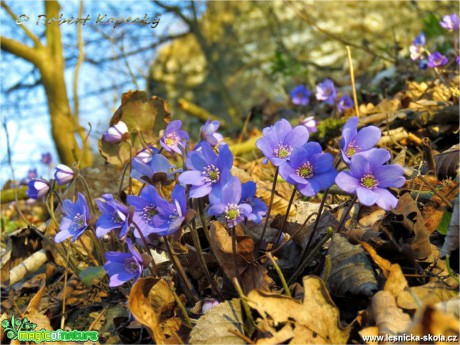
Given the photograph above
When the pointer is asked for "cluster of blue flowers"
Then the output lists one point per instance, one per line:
(325, 92)
(418, 51)
(207, 173)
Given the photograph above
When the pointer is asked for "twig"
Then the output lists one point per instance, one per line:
(80, 59)
(352, 76)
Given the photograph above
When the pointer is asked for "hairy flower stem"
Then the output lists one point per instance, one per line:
(315, 226)
(147, 249)
(345, 214)
(280, 231)
(181, 307)
(99, 247)
(200, 208)
(235, 257)
(280, 274)
(88, 194)
(123, 173)
(199, 250)
(311, 256)
(180, 270)
(259, 244)
(247, 310)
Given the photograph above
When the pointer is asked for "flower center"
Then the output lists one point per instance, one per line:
(171, 139)
(351, 149)
(211, 173)
(131, 265)
(305, 170)
(282, 151)
(118, 217)
(369, 181)
(232, 211)
(78, 222)
(148, 212)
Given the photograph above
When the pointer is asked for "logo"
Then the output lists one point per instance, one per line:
(23, 330)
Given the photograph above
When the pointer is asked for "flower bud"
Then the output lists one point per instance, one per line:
(63, 174)
(116, 133)
(37, 188)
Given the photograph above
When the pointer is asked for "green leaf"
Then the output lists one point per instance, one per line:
(443, 226)
(92, 275)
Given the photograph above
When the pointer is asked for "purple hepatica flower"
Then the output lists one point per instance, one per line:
(116, 133)
(206, 169)
(436, 59)
(146, 172)
(345, 102)
(63, 174)
(450, 22)
(310, 169)
(122, 267)
(114, 216)
(310, 123)
(209, 133)
(171, 216)
(326, 92)
(279, 140)
(173, 137)
(369, 178)
(354, 141)
(416, 49)
(226, 201)
(248, 196)
(37, 188)
(46, 158)
(145, 210)
(457, 60)
(423, 64)
(300, 95)
(145, 155)
(75, 221)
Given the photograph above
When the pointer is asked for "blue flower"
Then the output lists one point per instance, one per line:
(326, 92)
(171, 215)
(279, 140)
(114, 216)
(145, 155)
(420, 39)
(146, 172)
(173, 137)
(450, 22)
(63, 174)
(248, 196)
(46, 158)
(309, 123)
(344, 103)
(436, 59)
(226, 202)
(209, 133)
(37, 188)
(122, 267)
(116, 133)
(75, 221)
(145, 210)
(354, 141)
(369, 178)
(300, 95)
(309, 169)
(206, 169)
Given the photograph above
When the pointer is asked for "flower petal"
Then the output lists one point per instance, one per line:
(367, 138)
(390, 176)
(193, 177)
(366, 196)
(297, 137)
(347, 182)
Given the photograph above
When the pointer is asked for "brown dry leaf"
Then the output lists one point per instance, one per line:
(372, 331)
(316, 320)
(396, 282)
(162, 299)
(430, 321)
(447, 162)
(415, 297)
(253, 275)
(388, 317)
(279, 337)
(351, 270)
(414, 222)
(451, 306)
(142, 310)
(214, 326)
(384, 264)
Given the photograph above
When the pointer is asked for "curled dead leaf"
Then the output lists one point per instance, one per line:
(417, 296)
(388, 317)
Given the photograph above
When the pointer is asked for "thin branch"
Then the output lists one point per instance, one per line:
(29, 33)
(176, 10)
(81, 58)
(19, 49)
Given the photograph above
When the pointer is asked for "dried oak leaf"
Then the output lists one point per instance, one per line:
(252, 274)
(351, 271)
(316, 320)
(435, 322)
(388, 317)
(214, 327)
(415, 297)
(144, 117)
(413, 221)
